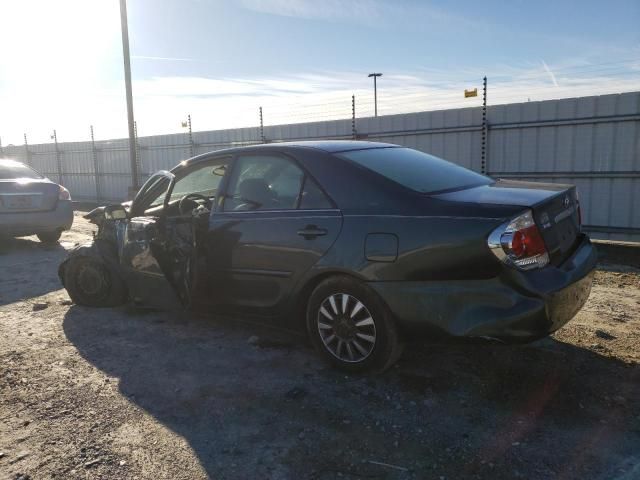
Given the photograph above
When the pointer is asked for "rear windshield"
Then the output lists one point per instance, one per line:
(10, 170)
(418, 171)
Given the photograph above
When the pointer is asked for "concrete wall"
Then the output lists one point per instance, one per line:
(593, 142)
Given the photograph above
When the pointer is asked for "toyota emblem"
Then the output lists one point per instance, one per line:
(566, 201)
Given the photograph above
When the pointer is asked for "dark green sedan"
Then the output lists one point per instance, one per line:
(359, 243)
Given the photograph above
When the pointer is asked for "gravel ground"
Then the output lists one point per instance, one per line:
(126, 393)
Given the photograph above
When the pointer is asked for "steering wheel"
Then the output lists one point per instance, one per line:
(191, 198)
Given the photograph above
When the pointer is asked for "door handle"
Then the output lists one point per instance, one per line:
(312, 231)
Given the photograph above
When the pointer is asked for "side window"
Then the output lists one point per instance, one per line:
(263, 182)
(203, 179)
(153, 190)
(313, 197)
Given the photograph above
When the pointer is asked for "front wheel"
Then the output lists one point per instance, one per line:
(351, 327)
(90, 282)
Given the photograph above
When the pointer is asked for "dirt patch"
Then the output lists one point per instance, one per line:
(128, 393)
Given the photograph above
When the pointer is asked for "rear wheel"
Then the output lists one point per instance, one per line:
(91, 283)
(49, 238)
(351, 327)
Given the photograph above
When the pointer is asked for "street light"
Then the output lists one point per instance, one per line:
(375, 91)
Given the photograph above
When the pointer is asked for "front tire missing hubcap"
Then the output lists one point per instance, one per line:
(92, 283)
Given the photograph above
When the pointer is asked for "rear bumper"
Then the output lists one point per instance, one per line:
(29, 223)
(514, 307)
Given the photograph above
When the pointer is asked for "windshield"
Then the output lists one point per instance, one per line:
(416, 170)
(11, 170)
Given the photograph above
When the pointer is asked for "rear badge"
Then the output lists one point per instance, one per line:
(566, 201)
(544, 220)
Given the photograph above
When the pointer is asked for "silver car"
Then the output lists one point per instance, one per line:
(32, 204)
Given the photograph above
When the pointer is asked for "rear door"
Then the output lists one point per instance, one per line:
(274, 224)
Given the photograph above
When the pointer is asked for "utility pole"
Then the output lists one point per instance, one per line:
(375, 91)
(192, 150)
(354, 132)
(58, 159)
(127, 80)
(96, 166)
(261, 125)
(262, 139)
(187, 124)
(485, 128)
(26, 151)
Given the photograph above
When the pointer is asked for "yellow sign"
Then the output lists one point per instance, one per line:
(471, 93)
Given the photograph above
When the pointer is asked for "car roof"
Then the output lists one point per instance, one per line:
(329, 146)
(333, 146)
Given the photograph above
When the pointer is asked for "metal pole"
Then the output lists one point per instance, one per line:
(58, 160)
(375, 97)
(26, 151)
(127, 80)
(96, 166)
(354, 133)
(191, 146)
(1, 149)
(485, 127)
(375, 91)
(138, 156)
(261, 127)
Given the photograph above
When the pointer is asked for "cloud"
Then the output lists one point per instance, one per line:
(336, 10)
(170, 59)
(551, 75)
(374, 13)
(161, 103)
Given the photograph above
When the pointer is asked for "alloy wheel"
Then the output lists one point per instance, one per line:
(346, 328)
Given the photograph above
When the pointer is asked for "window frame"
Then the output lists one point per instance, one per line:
(225, 193)
(204, 163)
(405, 188)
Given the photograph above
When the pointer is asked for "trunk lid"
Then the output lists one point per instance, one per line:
(554, 206)
(28, 195)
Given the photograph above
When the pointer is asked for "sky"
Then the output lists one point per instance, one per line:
(61, 61)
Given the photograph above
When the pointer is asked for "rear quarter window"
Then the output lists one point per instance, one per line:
(11, 170)
(416, 170)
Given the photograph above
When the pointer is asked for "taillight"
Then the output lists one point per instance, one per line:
(64, 194)
(519, 243)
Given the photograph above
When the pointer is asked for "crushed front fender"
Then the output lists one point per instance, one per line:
(101, 250)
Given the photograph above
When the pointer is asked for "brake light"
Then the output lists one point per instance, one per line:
(64, 194)
(519, 243)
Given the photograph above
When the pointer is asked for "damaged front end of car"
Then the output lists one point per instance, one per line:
(91, 272)
(142, 254)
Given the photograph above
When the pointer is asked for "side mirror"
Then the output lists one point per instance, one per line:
(220, 170)
(115, 212)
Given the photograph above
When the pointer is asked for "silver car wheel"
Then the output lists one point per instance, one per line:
(346, 328)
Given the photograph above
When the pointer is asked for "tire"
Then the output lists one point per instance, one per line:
(367, 331)
(91, 283)
(49, 238)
